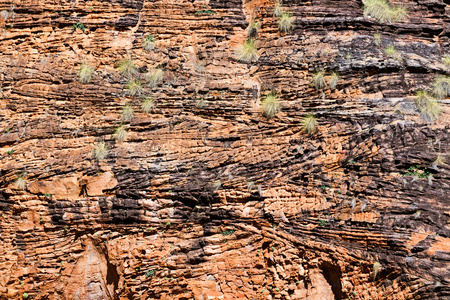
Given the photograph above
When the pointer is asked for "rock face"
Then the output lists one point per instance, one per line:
(206, 198)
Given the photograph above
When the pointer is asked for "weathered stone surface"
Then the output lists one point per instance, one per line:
(216, 201)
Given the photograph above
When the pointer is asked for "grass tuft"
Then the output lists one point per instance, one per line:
(148, 105)
(446, 60)
(277, 11)
(309, 124)
(148, 43)
(377, 39)
(390, 51)
(127, 67)
(21, 182)
(271, 105)
(383, 12)
(248, 51)
(428, 107)
(333, 80)
(133, 88)
(120, 134)
(127, 112)
(85, 73)
(286, 22)
(440, 160)
(441, 88)
(155, 76)
(376, 269)
(253, 28)
(319, 80)
(100, 151)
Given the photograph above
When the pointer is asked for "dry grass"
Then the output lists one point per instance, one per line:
(248, 51)
(120, 134)
(309, 124)
(148, 105)
(134, 88)
(428, 107)
(441, 87)
(155, 76)
(271, 105)
(334, 78)
(286, 22)
(127, 112)
(85, 73)
(100, 151)
(148, 43)
(319, 80)
(127, 67)
(383, 12)
(21, 182)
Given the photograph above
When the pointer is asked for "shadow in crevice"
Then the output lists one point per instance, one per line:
(333, 276)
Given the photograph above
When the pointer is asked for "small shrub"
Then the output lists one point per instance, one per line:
(85, 73)
(149, 273)
(21, 182)
(309, 124)
(149, 43)
(383, 12)
(155, 76)
(376, 269)
(100, 151)
(377, 39)
(271, 105)
(147, 105)
(446, 60)
(319, 80)
(133, 88)
(127, 112)
(428, 107)
(120, 134)
(25, 296)
(248, 51)
(277, 10)
(333, 80)
(127, 67)
(286, 22)
(417, 171)
(10, 151)
(228, 232)
(441, 88)
(390, 51)
(78, 25)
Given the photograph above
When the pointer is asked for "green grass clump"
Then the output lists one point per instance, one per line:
(319, 80)
(441, 87)
(377, 39)
(127, 112)
(21, 182)
(120, 134)
(248, 51)
(309, 124)
(148, 105)
(134, 88)
(383, 12)
(390, 51)
(271, 105)
(428, 107)
(333, 80)
(85, 73)
(100, 151)
(286, 22)
(155, 76)
(127, 67)
(148, 43)
(277, 11)
(446, 60)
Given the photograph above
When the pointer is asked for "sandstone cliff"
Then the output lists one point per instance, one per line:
(206, 198)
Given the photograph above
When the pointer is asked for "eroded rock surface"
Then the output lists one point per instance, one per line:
(214, 201)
